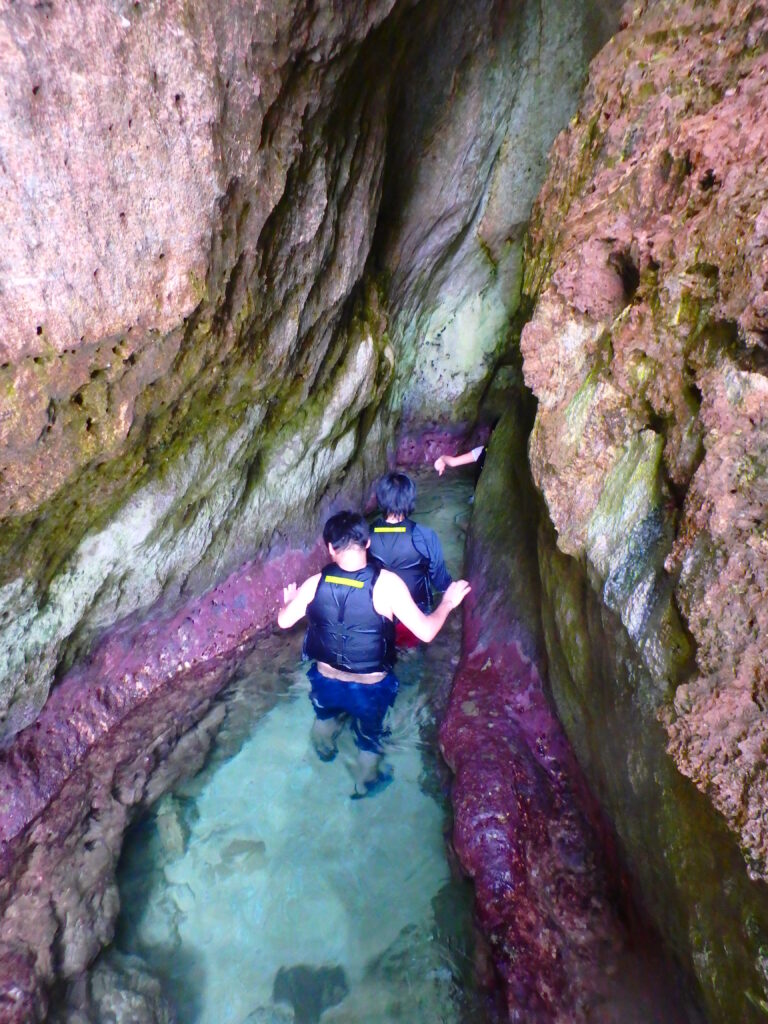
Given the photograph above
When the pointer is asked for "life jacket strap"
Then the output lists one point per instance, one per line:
(357, 584)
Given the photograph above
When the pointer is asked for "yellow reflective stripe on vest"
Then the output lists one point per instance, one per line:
(389, 529)
(346, 583)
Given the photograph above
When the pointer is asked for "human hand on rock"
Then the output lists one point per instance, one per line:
(289, 593)
(456, 593)
(440, 465)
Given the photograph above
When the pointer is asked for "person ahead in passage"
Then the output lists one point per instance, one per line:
(351, 606)
(442, 462)
(404, 547)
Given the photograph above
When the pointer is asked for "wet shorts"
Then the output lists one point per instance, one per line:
(366, 704)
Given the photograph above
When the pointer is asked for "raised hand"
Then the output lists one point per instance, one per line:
(289, 593)
(456, 593)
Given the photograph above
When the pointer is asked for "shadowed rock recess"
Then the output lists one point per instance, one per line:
(250, 251)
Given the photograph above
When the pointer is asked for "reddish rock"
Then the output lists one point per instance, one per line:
(423, 447)
(647, 263)
(115, 733)
(21, 1001)
(652, 318)
(528, 835)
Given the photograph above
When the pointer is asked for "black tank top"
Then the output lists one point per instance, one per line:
(392, 548)
(345, 630)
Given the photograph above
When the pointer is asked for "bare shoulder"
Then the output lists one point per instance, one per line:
(385, 591)
(387, 580)
(309, 586)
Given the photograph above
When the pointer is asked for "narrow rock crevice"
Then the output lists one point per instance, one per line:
(278, 249)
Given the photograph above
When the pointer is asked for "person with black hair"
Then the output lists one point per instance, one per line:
(410, 550)
(351, 607)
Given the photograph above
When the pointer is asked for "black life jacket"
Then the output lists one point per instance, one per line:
(392, 548)
(345, 630)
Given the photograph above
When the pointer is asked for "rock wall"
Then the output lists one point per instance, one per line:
(115, 735)
(204, 301)
(185, 366)
(226, 229)
(647, 353)
(489, 86)
(551, 896)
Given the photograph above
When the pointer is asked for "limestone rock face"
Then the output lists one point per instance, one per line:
(493, 83)
(184, 236)
(227, 230)
(119, 989)
(526, 829)
(647, 354)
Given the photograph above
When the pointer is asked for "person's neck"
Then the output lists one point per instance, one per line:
(392, 518)
(351, 559)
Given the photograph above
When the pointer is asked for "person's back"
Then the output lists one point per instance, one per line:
(405, 547)
(351, 608)
(392, 548)
(345, 631)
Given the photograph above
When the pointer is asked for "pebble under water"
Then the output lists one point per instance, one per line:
(258, 891)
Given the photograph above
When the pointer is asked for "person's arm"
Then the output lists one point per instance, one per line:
(427, 543)
(295, 601)
(391, 598)
(465, 459)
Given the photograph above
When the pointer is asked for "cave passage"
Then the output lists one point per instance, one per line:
(260, 877)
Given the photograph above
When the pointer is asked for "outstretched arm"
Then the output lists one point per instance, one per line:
(391, 598)
(465, 459)
(295, 601)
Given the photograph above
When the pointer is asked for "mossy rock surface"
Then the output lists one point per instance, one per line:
(645, 351)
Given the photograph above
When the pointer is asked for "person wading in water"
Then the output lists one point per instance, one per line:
(404, 547)
(351, 606)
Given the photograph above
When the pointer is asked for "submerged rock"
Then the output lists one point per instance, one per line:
(310, 990)
(120, 990)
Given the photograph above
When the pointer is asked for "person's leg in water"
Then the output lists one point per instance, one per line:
(324, 733)
(329, 715)
(371, 705)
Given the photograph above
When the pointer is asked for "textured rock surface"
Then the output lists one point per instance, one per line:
(199, 280)
(120, 990)
(525, 829)
(114, 736)
(495, 82)
(211, 354)
(202, 341)
(647, 354)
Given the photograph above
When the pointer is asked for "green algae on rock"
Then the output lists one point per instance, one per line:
(248, 195)
(646, 350)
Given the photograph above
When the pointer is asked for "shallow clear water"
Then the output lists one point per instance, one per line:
(260, 877)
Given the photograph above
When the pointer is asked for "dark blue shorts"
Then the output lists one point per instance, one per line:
(366, 704)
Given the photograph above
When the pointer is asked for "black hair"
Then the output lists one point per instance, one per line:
(396, 494)
(345, 530)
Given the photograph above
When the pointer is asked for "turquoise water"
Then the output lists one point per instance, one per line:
(258, 891)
